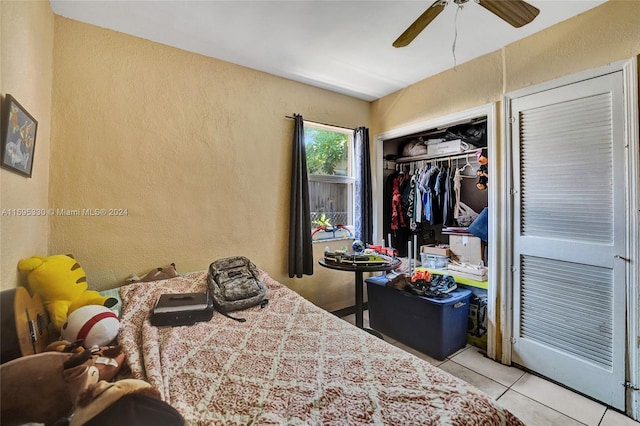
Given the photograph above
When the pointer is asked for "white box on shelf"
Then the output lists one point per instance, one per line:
(467, 248)
(445, 147)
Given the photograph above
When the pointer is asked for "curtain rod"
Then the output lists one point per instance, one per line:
(324, 124)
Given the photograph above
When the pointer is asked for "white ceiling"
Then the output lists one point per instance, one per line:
(343, 46)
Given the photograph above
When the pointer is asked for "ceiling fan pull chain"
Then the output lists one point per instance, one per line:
(455, 35)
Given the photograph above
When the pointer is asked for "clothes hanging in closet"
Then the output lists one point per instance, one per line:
(429, 195)
(448, 200)
(416, 197)
(430, 200)
(395, 222)
(457, 186)
(397, 212)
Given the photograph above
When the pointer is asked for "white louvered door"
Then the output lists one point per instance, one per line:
(569, 227)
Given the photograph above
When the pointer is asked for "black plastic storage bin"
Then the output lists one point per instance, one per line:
(436, 327)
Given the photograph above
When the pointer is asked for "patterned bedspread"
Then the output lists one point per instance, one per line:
(289, 363)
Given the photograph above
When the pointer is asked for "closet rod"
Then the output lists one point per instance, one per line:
(324, 124)
(465, 154)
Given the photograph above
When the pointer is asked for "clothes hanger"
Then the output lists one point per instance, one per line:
(467, 164)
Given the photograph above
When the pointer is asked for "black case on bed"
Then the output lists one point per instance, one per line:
(182, 309)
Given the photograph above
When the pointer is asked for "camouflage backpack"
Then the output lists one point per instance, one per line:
(234, 285)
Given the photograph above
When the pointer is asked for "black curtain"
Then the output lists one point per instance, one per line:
(364, 203)
(300, 247)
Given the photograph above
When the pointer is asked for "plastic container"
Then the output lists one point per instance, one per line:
(436, 327)
(434, 261)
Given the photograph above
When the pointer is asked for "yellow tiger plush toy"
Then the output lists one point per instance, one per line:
(62, 284)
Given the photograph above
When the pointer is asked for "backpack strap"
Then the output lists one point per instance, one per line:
(262, 305)
(233, 318)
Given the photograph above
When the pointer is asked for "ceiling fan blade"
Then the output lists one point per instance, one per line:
(515, 12)
(420, 24)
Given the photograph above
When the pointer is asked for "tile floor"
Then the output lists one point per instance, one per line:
(535, 401)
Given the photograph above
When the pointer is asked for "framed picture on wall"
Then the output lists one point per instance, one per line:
(18, 137)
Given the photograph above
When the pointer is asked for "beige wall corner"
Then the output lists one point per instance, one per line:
(26, 58)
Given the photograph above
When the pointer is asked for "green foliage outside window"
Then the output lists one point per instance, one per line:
(325, 150)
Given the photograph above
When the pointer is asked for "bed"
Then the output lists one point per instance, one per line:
(289, 363)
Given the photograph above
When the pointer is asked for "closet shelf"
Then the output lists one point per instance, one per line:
(450, 156)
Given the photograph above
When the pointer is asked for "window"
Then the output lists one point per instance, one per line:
(329, 152)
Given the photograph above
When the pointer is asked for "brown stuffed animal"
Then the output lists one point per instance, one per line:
(42, 388)
(65, 346)
(107, 359)
(157, 274)
(47, 387)
(482, 172)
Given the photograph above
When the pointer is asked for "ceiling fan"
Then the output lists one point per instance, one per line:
(515, 12)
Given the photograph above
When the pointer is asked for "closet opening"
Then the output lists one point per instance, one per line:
(433, 182)
(440, 165)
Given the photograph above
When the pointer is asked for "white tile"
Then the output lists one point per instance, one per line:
(613, 418)
(488, 386)
(473, 359)
(532, 412)
(570, 403)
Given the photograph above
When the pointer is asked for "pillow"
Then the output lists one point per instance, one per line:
(114, 293)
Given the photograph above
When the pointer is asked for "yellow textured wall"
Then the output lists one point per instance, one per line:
(196, 150)
(605, 34)
(26, 45)
(473, 83)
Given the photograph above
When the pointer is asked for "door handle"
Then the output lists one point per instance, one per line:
(617, 256)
